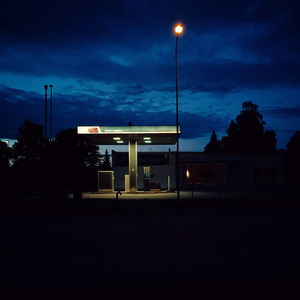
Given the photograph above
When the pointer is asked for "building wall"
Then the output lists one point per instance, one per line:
(241, 170)
(210, 169)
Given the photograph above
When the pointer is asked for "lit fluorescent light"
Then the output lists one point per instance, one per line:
(120, 142)
(147, 138)
(148, 142)
(116, 138)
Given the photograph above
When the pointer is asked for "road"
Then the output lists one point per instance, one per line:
(85, 250)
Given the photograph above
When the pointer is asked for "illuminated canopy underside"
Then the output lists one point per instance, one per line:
(120, 135)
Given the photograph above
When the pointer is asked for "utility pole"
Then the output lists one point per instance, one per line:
(46, 110)
(51, 86)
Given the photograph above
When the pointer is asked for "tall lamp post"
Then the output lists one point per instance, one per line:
(178, 30)
(51, 86)
(46, 111)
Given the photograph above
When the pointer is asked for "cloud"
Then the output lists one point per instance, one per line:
(193, 88)
(98, 20)
(283, 112)
(132, 90)
(236, 75)
(226, 46)
(74, 110)
(16, 106)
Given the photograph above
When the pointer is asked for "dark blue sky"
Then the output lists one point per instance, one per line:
(112, 62)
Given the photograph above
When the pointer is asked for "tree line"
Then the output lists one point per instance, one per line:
(246, 134)
(69, 162)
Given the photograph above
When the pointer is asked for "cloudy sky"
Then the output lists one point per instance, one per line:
(112, 62)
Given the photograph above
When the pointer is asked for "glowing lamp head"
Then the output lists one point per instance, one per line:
(178, 29)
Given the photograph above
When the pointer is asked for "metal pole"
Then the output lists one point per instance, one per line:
(177, 125)
(45, 127)
(51, 86)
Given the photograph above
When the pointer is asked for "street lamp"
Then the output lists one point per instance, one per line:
(51, 86)
(178, 29)
(46, 110)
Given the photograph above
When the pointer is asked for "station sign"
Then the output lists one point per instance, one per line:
(88, 129)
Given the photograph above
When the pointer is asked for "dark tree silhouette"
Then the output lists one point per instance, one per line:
(5, 155)
(27, 155)
(106, 165)
(293, 146)
(77, 159)
(30, 143)
(247, 133)
(269, 141)
(293, 159)
(214, 145)
(74, 149)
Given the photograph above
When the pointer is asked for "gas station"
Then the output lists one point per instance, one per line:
(196, 169)
(131, 136)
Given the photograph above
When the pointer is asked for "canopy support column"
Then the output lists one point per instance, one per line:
(133, 165)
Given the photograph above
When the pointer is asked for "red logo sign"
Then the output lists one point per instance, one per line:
(93, 130)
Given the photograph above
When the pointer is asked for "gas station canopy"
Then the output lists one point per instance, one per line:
(121, 135)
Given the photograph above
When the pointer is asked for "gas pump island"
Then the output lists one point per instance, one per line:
(131, 136)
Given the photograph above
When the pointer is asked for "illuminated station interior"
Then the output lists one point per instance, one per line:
(131, 136)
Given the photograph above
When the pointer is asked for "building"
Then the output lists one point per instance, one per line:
(135, 170)
(156, 170)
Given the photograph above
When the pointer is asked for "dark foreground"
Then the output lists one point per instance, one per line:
(250, 251)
